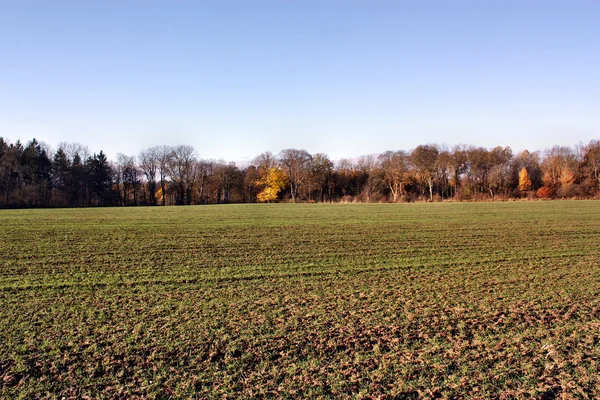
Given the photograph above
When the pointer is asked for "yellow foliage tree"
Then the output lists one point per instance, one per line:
(567, 176)
(273, 180)
(524, 180)
(548, 180)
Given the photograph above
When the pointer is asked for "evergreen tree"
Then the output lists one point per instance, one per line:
(61, 176)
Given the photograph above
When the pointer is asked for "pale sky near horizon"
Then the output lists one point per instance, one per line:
(237, 78)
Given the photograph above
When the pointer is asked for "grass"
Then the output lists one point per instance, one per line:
(450, 300)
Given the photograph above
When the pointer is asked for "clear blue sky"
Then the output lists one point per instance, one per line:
(236, 78)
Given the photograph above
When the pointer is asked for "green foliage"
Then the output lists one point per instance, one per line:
(450, 300)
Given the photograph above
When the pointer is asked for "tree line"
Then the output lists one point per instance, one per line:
(32, 175)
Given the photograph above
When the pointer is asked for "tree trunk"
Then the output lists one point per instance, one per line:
(152, 192)
(431, 190)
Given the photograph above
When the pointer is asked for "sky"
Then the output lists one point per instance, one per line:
(238, 78)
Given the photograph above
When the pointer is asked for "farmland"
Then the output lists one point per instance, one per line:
(450, 300)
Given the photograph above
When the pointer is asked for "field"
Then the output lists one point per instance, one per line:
(448, 300)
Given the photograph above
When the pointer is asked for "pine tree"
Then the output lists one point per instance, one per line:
(61, 176)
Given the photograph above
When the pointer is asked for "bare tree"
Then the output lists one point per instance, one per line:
(478, 169)
(366, 183)
(393, 166)
(296, 164)
(557, 161)
(591, 161)
(149, 161)
(203, 169)
(321, 168)
(164, 155)
(73, 149)
(499, 170)
(458, 164)
(128, 176)
(181, 168)
(250, 186)
(265, 161)
(228, 178)
(344, 173)
(423, 158)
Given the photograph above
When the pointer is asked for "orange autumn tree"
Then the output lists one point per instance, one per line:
(524, 180)
(273, 180)
(545, 192)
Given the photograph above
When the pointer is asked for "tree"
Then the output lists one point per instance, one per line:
(228, 178)
(478, 169)
(524, 180)
(296, 165)
(99, 172)
(265, 160)
(29, 177)
(321, 168)
(149, 161)
(423, 158)
(365, 177)
(128, 177)
(181, 168)
(458, 165)
(344, 177)
(273, 180)
(61, 176)
(255, 173)
(74, 149)
(393, 166)
(556, 161)
(251, 176)
(591, 162)
(164, 155)
(444, 169)
(35, 172)
(203, 170)
(499, 170)
(530, 161)
(10, 174)
(78, 192)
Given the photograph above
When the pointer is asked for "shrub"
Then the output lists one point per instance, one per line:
(545, 192)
